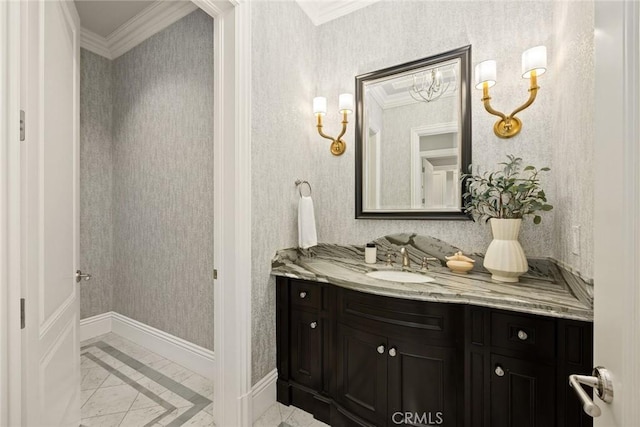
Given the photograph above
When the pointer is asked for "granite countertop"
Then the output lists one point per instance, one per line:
(546, 289)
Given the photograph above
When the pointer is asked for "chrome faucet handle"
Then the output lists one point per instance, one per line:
(425, 262)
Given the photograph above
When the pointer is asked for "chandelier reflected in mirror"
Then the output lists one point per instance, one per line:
(430, 85)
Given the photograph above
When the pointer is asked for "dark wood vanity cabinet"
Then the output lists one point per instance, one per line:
(357, 359)
(398, 356)
(518, 366)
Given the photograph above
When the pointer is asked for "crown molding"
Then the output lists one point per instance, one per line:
(150, 21)
(95, 43)
(321, 12)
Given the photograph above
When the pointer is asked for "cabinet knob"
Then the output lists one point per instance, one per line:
(499, 371)
(303, 294)
(392, 352)
(522, 335)
(313, 325)
(381, 349)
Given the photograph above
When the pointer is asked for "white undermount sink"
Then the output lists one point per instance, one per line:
(400, 276)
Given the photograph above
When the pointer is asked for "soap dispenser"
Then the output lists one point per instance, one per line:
(370, 253)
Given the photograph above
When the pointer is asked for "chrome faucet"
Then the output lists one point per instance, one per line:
(404, 253)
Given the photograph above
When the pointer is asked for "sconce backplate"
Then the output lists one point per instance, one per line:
(338, 147)
(501, 129)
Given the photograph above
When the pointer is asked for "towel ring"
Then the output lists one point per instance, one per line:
(299, 185)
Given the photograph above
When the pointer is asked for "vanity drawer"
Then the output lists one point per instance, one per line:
(395, 316)
(534, 335)
(305, 294)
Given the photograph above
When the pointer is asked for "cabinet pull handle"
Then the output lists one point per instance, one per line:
(392, 352)
(499, 371)
(313, 325)
(381, 349)
(522, 335)
(303, 294)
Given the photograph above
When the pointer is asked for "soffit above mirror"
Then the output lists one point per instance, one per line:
(321, 12)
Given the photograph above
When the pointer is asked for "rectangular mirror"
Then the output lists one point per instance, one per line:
(413, 138)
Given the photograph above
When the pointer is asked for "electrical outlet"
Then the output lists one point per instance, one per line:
(575, 240)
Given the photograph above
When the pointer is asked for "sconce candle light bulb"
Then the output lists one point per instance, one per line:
(534, 64)
(345, 105)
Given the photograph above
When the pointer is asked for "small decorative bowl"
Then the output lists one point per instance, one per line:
(459, 263)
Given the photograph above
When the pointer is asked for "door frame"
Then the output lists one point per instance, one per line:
(232, 209)
(232, 212)
(10, 216)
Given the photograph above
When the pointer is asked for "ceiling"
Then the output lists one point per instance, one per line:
(104, 17)
(112, 27)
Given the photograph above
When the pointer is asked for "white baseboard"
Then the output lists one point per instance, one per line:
(94, 326)
(263, 394)
(191, 356)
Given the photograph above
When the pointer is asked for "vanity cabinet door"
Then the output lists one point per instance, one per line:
(362, 373)
(425, 383)
(522, 393)
(306, 348)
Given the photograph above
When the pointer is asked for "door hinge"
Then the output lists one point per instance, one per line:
(215, 274)
(22, 315)
(22, 125)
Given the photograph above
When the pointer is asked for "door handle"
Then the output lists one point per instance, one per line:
(601, 382)
(80, 276)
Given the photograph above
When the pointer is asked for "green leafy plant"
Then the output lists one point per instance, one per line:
(513, 192)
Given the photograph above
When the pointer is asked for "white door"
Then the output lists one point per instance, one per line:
(427, 199)
(616, 215)
(51, 348)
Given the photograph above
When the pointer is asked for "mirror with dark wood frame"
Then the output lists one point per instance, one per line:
(413, 138)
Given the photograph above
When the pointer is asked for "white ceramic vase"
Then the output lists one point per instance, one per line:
(505, 258)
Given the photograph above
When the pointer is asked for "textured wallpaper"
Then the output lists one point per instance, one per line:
(283, 79)
(573, 133)
(293, 61)
(96, 173)
(390, 33)
(163, 180)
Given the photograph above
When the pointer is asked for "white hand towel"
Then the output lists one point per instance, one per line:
(307, 235)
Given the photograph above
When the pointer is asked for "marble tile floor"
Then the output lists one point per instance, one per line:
(126, 385)
(279, 415)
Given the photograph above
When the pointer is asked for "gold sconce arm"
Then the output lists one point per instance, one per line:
(338, 146)
(509, 125)
(533, 91)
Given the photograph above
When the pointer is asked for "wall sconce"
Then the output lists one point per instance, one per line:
(534, 64)
(345, 105)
